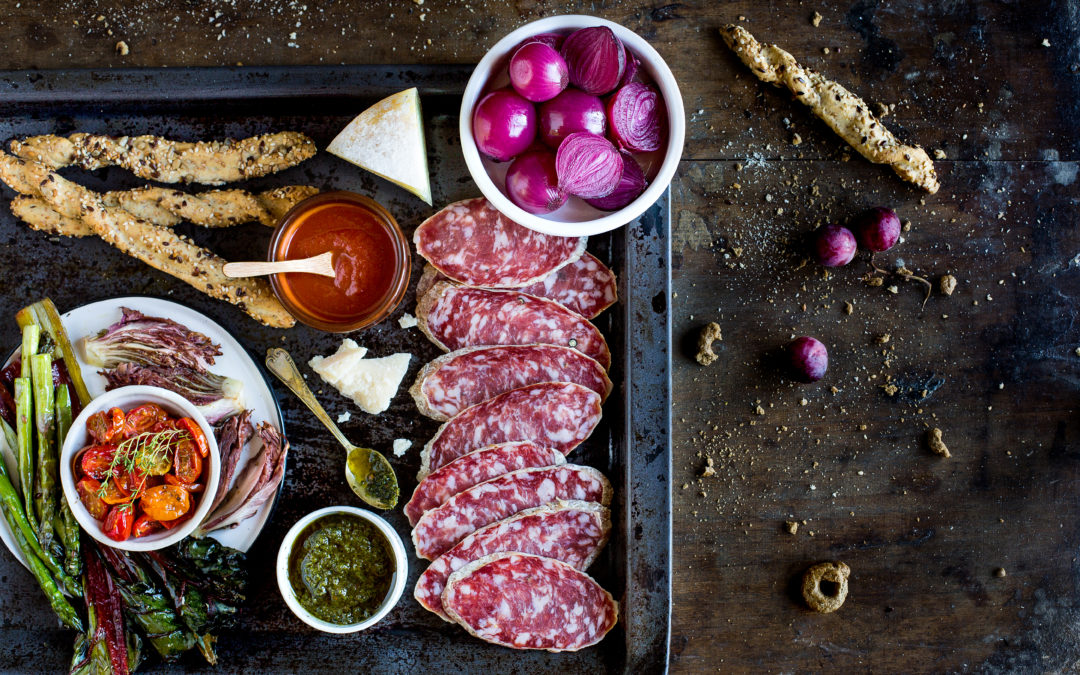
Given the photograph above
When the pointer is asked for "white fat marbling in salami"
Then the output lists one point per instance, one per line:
(529, 602)
(454, 317)
(570, 531)
(455, 381)
(477, 467)
(441, 528)
(471, 242)
(557, 415)
(585, 286)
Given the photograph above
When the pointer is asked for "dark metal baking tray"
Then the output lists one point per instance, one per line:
(632, 445)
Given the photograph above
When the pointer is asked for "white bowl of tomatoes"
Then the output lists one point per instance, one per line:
(140, 468)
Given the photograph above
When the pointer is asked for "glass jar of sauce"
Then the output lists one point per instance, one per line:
(371, 261)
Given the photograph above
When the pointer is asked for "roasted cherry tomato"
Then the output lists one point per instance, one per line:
(190, 487)
(118, 522)
(187, 463)
(165, 502)
(106, 427)
(88, 493)
(197, 435)
(164, 425)
(114, 491)
(97, 460)
(144, 525)
(143, 419)
(170, 524)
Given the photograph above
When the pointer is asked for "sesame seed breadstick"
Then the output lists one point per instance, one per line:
(159, 247)
(844, 112)
(37, 213)
(166, 161)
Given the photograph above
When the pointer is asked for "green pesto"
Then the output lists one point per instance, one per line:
(340, 569)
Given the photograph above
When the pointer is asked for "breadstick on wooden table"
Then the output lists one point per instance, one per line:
(159, 247)
(167, 161)
(844, 112)
(167, 207)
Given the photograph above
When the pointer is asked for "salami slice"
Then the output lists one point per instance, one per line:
(585, 286)
(454, 317)
(460, 379)
(477, 467)
(529, 602)
(570, 531)
(557, 415)
(471, 242)
(501, 497)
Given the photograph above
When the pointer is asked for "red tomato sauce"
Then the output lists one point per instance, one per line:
(365, 260)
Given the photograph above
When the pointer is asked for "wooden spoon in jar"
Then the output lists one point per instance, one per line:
(367, 471)
(322, 265)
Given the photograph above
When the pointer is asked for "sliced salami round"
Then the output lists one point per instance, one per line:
(585, 286)
(454, 317)
(441, 528)
(570, 531)
(472, 375)
(471, 242)
(477, 467)
(529, 602)
(557, 415)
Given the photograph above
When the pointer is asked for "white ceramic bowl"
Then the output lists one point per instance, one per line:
(127, 398)
(575, 218)
(397, 582)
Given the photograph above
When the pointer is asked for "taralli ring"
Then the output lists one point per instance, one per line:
(825, 586)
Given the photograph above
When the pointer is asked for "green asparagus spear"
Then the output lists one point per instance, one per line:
(12, 507)
(44, 314)
(70, 527)
(24, 537)
(45, 474)
(31, 339)
(24, 413)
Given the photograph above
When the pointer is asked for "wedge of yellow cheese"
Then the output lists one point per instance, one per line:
(387, 139)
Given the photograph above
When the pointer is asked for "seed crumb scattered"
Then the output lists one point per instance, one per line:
(874, 281)
(890, 389)
(796, 139)
(759, 410)
(937, 446)
(848, 308)
(709, 469)
(709, 334)
(815, 20)
(939, 154)
(884, 339)
(1000, 572)
(1045, 42)
(894, 289)
(122, 48)
(791, 526)
(947, 284)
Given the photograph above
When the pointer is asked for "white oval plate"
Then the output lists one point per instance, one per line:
(233, 362)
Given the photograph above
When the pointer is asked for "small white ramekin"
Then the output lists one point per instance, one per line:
(397, 582)
(576, 218)
(127, 398)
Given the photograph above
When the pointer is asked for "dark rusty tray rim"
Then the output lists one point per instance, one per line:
(645, 333)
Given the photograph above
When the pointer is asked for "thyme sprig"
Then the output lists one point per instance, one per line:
(143, 452)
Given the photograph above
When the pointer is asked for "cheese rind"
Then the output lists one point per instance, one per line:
(370, 383)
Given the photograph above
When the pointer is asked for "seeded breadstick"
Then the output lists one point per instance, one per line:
(165, 161)
(156, 246)
(844, 112)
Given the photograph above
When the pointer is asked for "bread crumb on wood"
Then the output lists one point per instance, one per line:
(122, 48)
(710, 333)
(825, 586)
(937, 446)
(1000, 572)
(939, 154)
(791, 526)
(709, 470)
(890, 389)
(848, 308)
(815, 20)
(883, 339)
(947, 284)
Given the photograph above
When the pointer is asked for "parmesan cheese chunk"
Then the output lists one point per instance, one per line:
(370, 383)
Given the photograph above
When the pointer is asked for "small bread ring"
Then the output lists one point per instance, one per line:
(829, 599)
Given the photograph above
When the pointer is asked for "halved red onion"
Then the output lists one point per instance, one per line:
(588, 166)
(631, 185)
(637, 117)
(632, 65)
(571, 111)
(538, 72)
(504, 124)
(533, 184)
(596, 59)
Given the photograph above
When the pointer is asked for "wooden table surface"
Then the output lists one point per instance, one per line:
(996, 366)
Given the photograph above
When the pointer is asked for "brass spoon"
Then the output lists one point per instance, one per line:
(368, 473)
(323, 265)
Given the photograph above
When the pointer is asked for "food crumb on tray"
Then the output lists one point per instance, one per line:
(709, 334)
(344, 417)
(401, 445)
(825, 586)
(407, 321)
(937, 446)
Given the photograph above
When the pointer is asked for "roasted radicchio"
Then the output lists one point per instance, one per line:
(217, 397)
(149, 341)
(232, 436)
(257, 483)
